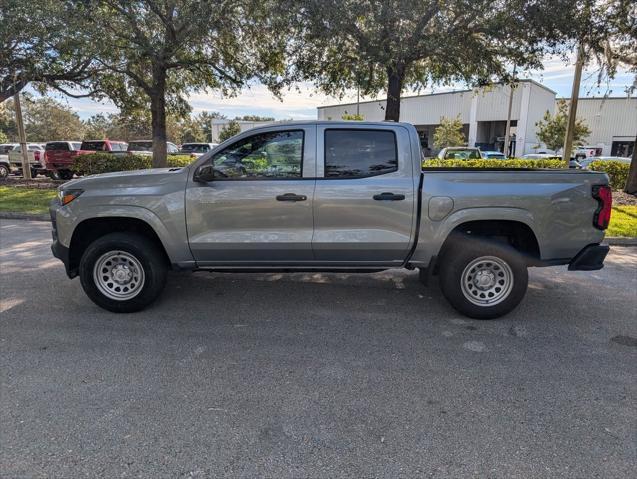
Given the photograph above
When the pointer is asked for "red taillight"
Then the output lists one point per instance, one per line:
(604, 197)
(36, 155)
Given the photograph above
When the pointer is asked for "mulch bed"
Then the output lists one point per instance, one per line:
(624, 199)
(40, 182)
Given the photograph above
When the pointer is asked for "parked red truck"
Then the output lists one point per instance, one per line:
(59, 155)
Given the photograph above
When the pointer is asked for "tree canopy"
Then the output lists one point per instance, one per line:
(44, 43)
(394, 44)
(45, 119)
(155, 52)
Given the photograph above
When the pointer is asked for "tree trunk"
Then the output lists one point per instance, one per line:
(158, 122)
(395, 78)
(631, 182)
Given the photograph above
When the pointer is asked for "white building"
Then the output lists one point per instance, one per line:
(613, 121)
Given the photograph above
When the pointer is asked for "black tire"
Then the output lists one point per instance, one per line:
(144, 251)
(34, 173)
(4, 171)
(65, 174)
(507, 262)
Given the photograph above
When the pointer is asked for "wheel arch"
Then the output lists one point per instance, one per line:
(515, 233)
(91, 229)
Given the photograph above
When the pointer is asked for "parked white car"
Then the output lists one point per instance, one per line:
(197, 149)
(35, 153)
(145, 147)
(585, 162)
(493, 155)
(460, 153)
(5, 166)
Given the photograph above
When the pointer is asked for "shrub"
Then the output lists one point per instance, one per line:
(514, 163)
(95, 163)
(616, 171)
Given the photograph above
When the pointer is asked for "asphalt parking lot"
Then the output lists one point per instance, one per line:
(314, 375)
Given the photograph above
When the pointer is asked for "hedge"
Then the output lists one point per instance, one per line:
(616, 171)
(514, 163)
(96, 163)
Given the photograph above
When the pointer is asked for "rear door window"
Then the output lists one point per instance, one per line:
(359, 153)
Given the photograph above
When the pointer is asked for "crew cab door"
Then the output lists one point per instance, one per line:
(257, 209)
(365, 196)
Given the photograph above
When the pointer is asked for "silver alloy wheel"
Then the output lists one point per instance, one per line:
(487, 281)
(118, 275)
(4, 171)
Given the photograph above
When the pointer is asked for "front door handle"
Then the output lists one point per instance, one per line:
(291, 197)
(389, 197)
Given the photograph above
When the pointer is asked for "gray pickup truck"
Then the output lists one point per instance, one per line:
(329, 196)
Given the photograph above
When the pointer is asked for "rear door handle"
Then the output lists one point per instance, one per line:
(291, 197)
(389, 197)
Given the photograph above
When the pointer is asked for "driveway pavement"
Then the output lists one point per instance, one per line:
(314, 375)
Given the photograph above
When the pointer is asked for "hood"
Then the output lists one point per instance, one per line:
(147, 177)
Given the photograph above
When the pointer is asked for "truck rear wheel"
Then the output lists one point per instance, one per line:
(122, 272)
(481, 278)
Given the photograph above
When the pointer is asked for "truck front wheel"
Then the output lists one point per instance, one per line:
(483, 278)
(122, 272)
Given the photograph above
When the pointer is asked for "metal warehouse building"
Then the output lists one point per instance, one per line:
(612, 121)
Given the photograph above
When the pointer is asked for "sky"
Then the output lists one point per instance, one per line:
(301, 102)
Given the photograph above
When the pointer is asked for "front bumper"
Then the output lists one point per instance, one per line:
(591, 258)
(60, 251)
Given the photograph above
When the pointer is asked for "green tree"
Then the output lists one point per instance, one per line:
(7, 121)
(449, 133)
(3, 138)
(228, 131)
(204, 120)
(352, 116)
(46, 119)
(552, 128)
(43, 42)
(157, 51)
(97, 127)
(393, 44)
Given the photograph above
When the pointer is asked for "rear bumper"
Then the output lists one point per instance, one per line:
(591, 258)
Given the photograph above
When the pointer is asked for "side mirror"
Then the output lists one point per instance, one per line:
(204, 173)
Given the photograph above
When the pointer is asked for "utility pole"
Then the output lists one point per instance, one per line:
(26, 168)
(572, 111)
(507, 133)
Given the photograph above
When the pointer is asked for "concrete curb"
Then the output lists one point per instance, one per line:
(36, 217)
(9, 215)
(621, 241)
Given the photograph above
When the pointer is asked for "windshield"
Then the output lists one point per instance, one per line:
(195, 147)
(94, 146)
(140, 146)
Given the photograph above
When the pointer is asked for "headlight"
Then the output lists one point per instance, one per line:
(66, 196)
